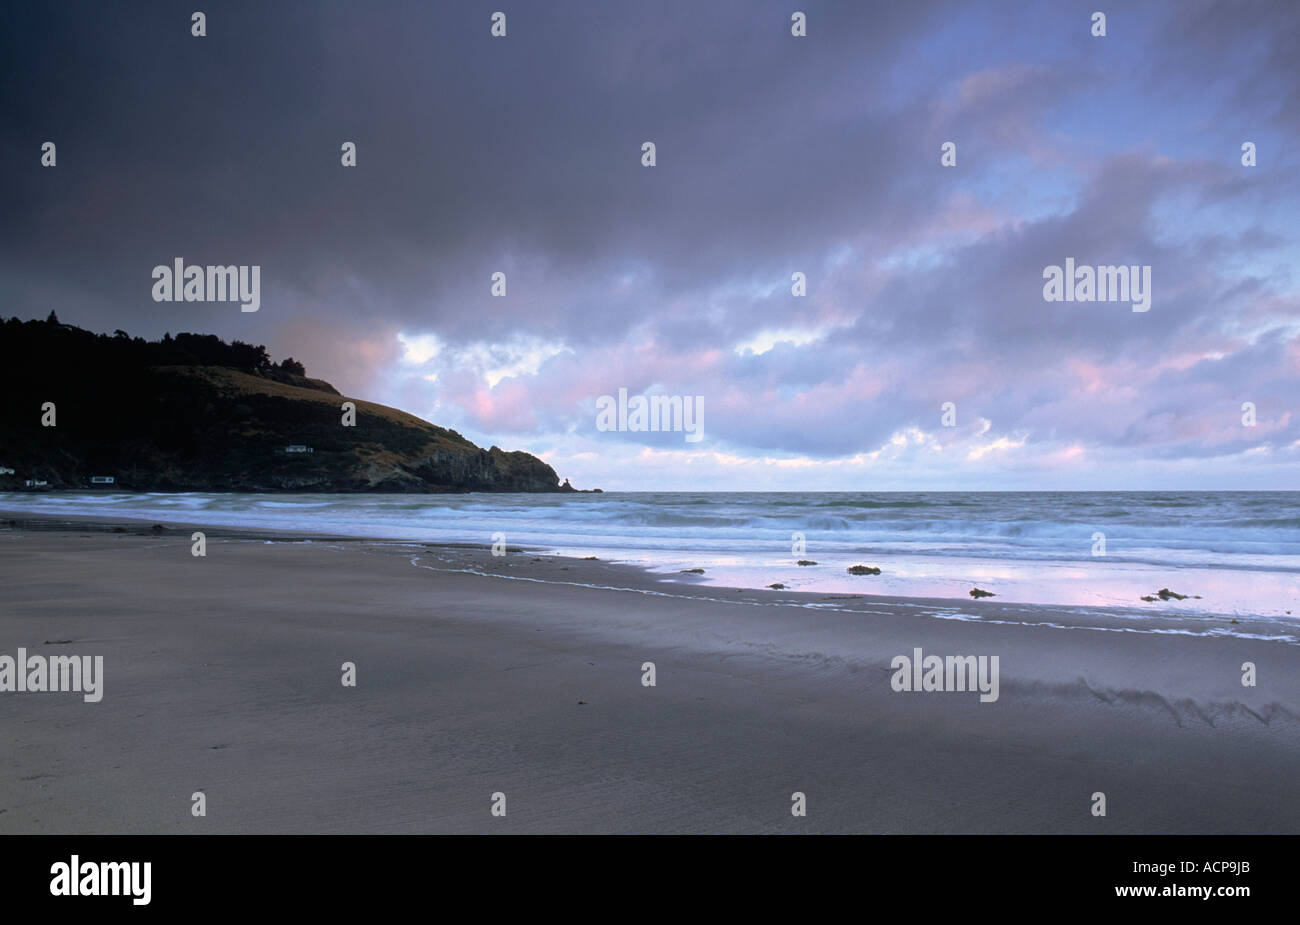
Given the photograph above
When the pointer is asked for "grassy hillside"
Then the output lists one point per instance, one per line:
(193, 413)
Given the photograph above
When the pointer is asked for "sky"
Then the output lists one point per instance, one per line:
(774, 155)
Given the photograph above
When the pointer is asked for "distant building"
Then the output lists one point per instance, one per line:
(298, 448)
(36, 483)
(5, 470)
(102, 480)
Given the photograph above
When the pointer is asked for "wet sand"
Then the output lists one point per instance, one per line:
(222, 675)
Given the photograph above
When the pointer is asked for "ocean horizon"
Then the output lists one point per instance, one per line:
(1231, 553)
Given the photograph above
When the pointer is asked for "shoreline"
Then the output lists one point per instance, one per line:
(638, 577)
(1160, 564)
(524, 675)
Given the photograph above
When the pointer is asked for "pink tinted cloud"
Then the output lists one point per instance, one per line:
(353, 357)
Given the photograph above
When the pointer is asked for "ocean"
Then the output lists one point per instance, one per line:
(1230, 553)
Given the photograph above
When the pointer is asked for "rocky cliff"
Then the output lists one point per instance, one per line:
(192, 413)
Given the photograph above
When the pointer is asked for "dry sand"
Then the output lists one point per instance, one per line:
(222, 675)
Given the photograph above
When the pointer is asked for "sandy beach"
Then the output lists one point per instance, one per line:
(523, 675)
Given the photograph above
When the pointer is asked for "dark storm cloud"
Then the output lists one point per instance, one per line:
(774, 155)
(472, 152)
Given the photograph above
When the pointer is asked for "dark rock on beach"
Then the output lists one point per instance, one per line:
(1164, 594)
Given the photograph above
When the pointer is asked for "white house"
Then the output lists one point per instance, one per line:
(36, 483)
(5, 470)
